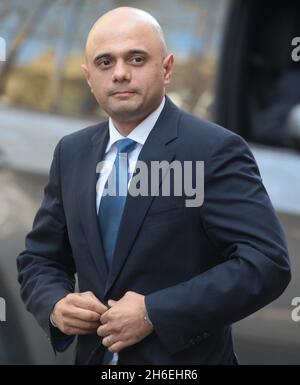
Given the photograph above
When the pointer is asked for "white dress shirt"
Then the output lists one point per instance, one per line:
(139, 135)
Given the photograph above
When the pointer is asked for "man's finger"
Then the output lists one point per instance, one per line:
(108, 340)
(88, 302)
(96, 304)
(71, 331)
(111, 302)
(82, 314)
(105, 317)
(118, 346)
(84, 325)
(104, 330)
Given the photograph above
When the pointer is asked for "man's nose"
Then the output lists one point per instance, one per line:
(121, 72)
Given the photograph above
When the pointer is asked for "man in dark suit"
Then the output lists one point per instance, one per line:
(160, 282)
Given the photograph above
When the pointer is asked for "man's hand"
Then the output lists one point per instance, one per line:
(123, 324)
(78, 313)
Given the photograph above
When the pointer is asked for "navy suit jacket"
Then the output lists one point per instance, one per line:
(200, 268)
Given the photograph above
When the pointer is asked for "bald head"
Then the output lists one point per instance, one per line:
(127, 65)
(118, 22)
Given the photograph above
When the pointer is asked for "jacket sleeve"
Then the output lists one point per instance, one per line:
(46, 267)
(238, 218)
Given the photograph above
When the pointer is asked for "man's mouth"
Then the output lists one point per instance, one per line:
(123, 93)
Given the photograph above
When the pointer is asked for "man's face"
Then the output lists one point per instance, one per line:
(127, 71)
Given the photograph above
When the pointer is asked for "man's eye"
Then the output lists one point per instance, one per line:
(104, 63)
(137, 60)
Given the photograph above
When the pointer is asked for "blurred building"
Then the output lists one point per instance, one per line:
(45, 48)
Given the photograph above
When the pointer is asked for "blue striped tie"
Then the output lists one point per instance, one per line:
(112, 206)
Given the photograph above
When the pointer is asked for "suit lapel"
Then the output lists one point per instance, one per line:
(87, 196)
(135, 210)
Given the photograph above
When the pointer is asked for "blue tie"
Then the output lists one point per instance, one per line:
(112, 205)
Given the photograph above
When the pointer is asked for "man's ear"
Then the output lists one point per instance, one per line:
(87, 75)
(168, 67)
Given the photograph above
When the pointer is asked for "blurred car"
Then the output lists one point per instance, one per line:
(256, 56)
(231, 58)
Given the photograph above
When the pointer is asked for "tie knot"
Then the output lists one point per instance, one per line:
(125, 145)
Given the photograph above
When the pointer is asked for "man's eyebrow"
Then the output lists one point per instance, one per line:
(137, 51)
(101, 55)
(130, 52)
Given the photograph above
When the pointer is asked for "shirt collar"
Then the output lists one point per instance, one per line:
(140, 133)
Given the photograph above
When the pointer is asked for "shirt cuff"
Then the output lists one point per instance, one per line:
(60, 341)
(147, 319)
(52, 322)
